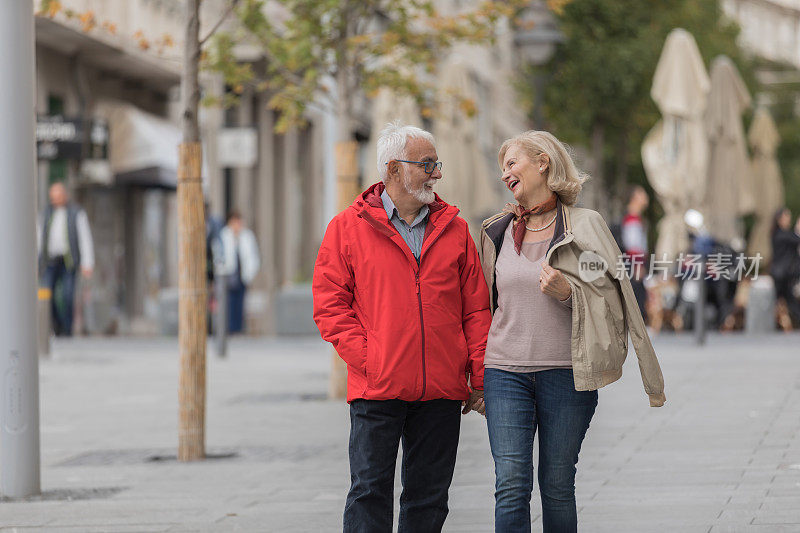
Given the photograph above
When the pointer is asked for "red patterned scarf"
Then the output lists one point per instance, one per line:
(521, 216)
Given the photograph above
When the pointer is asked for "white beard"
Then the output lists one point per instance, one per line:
(422, 195)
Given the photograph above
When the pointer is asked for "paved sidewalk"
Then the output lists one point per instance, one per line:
(722, 456)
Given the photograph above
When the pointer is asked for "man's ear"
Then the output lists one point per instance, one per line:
(394, 169)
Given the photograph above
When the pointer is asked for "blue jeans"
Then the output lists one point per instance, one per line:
(236, 308)
(429, 431)
(56, 273)
(516, 405)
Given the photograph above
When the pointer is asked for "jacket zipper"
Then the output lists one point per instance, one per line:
(419, 295)
(419, 303)
(422, 335)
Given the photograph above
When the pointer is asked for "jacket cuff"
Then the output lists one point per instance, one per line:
(657, 399)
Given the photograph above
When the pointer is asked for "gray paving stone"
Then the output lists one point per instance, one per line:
(751, 528)
(717, 457)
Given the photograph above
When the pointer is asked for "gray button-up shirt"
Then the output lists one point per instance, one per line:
(412, 234)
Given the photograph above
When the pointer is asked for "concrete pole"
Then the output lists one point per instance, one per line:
(19, 360)
(221, 313)
(700, 307)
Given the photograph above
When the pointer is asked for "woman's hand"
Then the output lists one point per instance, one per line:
(553, 283)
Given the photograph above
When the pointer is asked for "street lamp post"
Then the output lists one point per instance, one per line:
(19, 360)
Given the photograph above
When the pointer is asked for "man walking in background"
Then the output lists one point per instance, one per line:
(241, 264)
(65, 246)
(399, 292)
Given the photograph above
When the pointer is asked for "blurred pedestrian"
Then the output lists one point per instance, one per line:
(65, 246)
(559, 330)
(785, 267)
(214, 227)
(634, 240)
(214, 257)
(398, 291)
(241, 264)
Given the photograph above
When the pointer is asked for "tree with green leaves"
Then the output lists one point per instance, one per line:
(359, 45)
(597, 83)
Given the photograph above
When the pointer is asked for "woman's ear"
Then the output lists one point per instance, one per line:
(544, 162)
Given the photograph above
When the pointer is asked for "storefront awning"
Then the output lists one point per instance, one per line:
(142, 148)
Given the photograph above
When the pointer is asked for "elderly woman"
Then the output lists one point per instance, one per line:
(561, 318)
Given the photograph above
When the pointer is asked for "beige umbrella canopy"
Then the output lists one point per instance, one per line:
(729, 192)
(675, 151)
(387, 107)
(763, 139)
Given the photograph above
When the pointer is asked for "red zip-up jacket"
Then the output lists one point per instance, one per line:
(407, 331)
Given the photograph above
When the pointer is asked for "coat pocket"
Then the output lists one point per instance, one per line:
(373, 362)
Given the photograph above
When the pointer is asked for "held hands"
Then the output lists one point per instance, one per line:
(475, 403)
(553, 283)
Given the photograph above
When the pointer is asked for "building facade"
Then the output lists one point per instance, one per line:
(100, 81)
(116, 84)
(769, 28)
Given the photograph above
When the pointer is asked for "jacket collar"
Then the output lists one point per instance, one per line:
(496, 226)
(372, 198)
(392, 211)
(369, 206)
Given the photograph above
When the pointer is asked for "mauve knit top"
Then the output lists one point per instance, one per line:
(530, 330)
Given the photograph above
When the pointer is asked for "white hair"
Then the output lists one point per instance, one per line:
(392, 143)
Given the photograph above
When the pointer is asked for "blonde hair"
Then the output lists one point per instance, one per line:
(563, 177)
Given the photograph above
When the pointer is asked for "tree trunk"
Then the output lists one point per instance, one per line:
(193, 300)
(347, 188)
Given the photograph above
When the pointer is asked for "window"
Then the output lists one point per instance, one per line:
(57, 169)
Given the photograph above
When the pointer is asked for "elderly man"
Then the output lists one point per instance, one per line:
(240, 265)
(398, 291)
(65, 245)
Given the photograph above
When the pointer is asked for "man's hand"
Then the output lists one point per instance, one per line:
(553, 283)
(475, 403)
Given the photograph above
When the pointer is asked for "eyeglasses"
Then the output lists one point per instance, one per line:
(430, 166)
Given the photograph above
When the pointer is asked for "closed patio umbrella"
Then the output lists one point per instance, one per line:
(729, 193)
(675, 151)
(766, 174)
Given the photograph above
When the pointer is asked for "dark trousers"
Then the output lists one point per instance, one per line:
(429, 431)
(783, 289)
(517, 405)
(236, 308)
(55, 274)
(640, 292)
